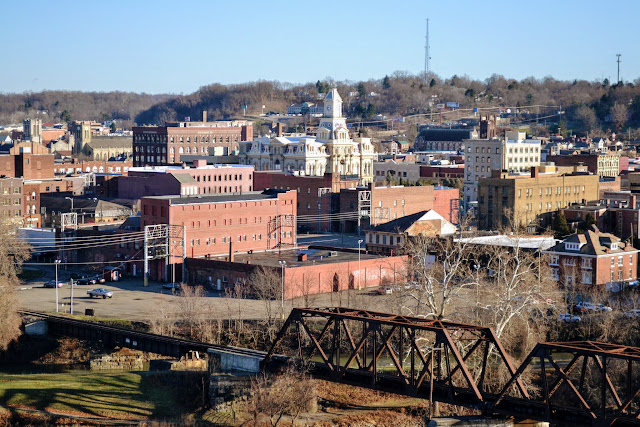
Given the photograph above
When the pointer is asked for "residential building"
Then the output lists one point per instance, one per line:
(161, 145)
(594, 259)
(531, 199)
(391, 237)
(176, 180)
(330, 151)
(225, 224)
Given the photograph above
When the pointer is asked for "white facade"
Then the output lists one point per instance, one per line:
(485, 155)
(331, 151)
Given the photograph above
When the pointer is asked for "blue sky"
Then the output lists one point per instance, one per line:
(177, 47)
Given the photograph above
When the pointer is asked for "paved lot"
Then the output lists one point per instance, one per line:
(131, 300)
(339, 240)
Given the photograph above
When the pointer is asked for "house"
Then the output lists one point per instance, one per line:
(594, 258)
(390, 237)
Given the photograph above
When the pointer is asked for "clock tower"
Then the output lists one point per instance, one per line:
(332, 125)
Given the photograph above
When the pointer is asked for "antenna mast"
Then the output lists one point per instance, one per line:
(618, 55)
(427, 58)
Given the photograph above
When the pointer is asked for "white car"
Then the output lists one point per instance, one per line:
(602, 307)
(100, 292)
(569, 318)
(633, 313)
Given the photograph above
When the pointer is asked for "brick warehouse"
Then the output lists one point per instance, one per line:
(225, 224)
(389, 203)
(317, 195)
(306, 270)
(161, 145)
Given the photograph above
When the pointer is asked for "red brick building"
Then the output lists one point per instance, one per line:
(161, 145)
(225, 224)
(305, 271)
(176, 180)
(594, 259)
(317, 195)
(389, 203)
(442, 171)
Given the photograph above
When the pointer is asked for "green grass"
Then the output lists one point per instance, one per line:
(112, 395)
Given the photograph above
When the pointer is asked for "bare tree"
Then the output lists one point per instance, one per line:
(619, 115)
(290, 393)
(266, 284)
(439, 270)
(13, 253)
(191, 309)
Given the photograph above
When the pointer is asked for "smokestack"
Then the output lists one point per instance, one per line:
(231, 254)
(204, 116)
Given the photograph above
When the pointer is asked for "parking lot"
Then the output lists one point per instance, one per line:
(132, 300)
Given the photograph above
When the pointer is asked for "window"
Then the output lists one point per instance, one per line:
(613, 261)
(586, 277)
(553, 260)
(630, 259)
(586, 263)
(620, 262)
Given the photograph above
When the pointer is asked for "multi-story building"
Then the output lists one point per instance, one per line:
(528, 199)
(599, 164)
(176, 180)
(330, 151)
(11, 200)
(396, 169)
(225, 224)
(594, 259)
(384, 204)
(32, 130)
(441, 139)
(159, 145)
(515, 154)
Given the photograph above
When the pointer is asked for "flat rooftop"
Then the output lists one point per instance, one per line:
(525, 242)
(290, 256)
(168, 169)
(220, 198)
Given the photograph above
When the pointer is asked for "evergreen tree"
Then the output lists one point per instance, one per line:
(113, 127)
(362, 91)
(589, 220)
(560, 226)
(386, 83)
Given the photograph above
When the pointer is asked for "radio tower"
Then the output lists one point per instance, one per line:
(427, 58)
(618, 55)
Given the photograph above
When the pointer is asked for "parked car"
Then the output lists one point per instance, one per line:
(602, 307)
(569, 318)
(583, 307)
(173, 286)
(84, 281)
(633, 313)
(384, 290)
(53, 284)
(100, 292)
(98, 279)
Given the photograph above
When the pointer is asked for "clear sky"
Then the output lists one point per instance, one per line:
(178, 46)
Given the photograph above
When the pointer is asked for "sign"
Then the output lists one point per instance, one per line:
(439, 106)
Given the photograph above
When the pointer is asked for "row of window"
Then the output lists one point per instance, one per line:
(163, 138)
(586, 262)
(241, 238)
(548, 191)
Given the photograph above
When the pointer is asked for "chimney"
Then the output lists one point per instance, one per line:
(204, 116)
(534, 171)
(231, 254)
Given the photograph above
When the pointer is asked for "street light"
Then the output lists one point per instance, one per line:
(56, 263)
(283, 264)
(70, 198)
(359, 273)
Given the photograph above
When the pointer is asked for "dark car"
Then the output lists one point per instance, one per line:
(84, 281)
(171, 286)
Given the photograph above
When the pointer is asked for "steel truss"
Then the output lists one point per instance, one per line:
(401, 354)
(605, 390)
(455, 363)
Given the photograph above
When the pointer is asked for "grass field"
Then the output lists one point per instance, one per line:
(122, 395)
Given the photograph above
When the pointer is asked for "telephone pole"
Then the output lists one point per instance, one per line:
(427, 58)
(618, 55)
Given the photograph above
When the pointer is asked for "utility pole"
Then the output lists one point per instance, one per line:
(618, 61)
(427, 58)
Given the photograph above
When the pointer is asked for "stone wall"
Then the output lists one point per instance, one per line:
(115, 361)
(225, 388)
